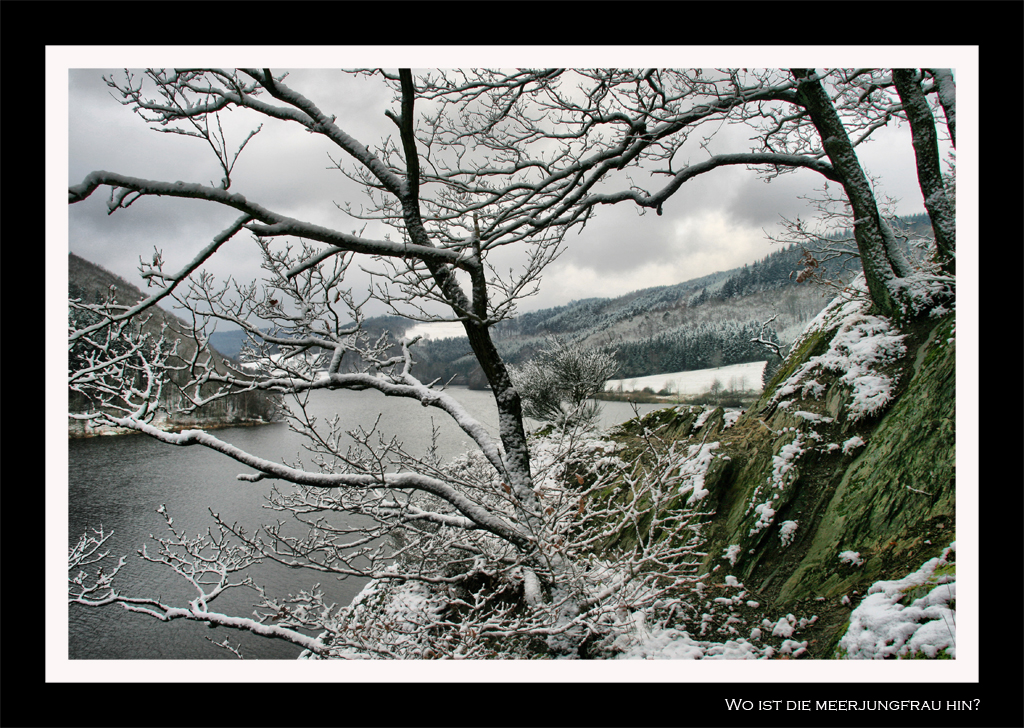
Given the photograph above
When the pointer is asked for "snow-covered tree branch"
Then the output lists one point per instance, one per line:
(609, 124)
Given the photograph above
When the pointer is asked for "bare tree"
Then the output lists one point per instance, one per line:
(496, 159)
(412, 513)
(612, 123)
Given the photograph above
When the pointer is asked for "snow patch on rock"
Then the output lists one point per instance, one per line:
(881, 627)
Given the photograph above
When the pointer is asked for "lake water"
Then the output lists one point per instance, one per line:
(120, 482)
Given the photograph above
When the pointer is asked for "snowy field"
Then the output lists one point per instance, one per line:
(737, 377)
(439, 330)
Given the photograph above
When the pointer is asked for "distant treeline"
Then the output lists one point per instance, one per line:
(702, 347)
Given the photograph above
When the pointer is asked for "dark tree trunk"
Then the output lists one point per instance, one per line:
(880, 264)
(946, 89)
(512, 432)
(929, 170)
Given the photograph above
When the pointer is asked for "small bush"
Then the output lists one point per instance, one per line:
(558, 385)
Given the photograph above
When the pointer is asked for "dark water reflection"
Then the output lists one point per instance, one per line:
(120, 482)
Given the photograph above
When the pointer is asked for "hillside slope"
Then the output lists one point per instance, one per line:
(840, 477)
(90, 283)
(705, 322)
(820, 523)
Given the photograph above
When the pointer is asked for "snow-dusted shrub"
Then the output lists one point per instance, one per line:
(557, 385)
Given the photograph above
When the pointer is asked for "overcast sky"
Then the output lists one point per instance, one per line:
(715, 222)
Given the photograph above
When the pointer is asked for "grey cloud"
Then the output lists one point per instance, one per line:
(713, 223)
(618, 238)
(761, 204)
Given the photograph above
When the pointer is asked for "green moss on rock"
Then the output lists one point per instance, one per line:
(882, 486)
(901, 484)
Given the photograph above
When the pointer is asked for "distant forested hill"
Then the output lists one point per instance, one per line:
(230, 343)
(90, 283)
(700, 323)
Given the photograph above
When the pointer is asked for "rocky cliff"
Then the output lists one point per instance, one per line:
(842, 475)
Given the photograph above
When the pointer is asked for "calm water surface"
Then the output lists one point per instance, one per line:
(120, 482)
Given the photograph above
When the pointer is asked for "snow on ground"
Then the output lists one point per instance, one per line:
(860, 344)
(739, 377)
(672, 644)
(436, 330)
(882, 627)
(677, 644)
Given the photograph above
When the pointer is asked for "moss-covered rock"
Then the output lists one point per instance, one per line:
(839, 455)
(899, 490)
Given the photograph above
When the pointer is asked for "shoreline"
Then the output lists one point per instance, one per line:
(104, 431)
(726, 398)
